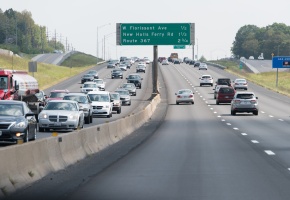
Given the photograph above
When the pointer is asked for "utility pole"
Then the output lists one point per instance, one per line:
(155, 69)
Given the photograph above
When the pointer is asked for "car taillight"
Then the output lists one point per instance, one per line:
(237, 101)
(191, 95)
(178, 96)
(253, 101)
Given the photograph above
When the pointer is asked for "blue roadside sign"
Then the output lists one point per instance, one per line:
(281, 62)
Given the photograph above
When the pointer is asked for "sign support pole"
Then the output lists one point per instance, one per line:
(155, 69)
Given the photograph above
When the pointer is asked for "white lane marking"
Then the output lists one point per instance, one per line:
(228, 124)
(203, 99)
(262, 112)
(271, 116)
(219, 116)
(223, 120)
(206, 102)
(211, 108)
(289, 169)
(215, 112)
(200, 96)
(235, 128)
(255, 141)
(269, 152)
(208, 105)
(281, 120)
(244, 134)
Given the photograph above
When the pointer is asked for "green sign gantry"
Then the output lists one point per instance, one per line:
(155, 34)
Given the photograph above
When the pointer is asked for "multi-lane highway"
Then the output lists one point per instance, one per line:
(199, 151)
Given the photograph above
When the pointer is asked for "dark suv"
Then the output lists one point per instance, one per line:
(136, 79)
(223, 81)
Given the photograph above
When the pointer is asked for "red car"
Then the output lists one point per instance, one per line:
(225, 95)
(56, 95)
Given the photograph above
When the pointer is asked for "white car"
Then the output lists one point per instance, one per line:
(240, 83)
(102, 103)
(123, 67)
(61, 114)
(202, 66)
(101, 84)
(89, 86)
(184, 96)
(206, 80)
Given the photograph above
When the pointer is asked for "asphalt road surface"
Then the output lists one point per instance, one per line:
(188, 151)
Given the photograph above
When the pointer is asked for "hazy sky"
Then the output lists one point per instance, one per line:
(216, 22)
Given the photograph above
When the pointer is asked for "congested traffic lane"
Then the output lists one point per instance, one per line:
(138, 102)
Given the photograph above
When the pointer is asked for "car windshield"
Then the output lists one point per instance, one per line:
(99, 81)
(57, 94)
(60, 106)
(90, 85)
(79, 99)
(133, 77)
(11, 110)
(99, 97)
(116, 70)
(127, 86)
(240, 81)
(115, 96)
(87, 75)
(123, 92)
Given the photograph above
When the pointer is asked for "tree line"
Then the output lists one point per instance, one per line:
(272, 40)
(19, 33)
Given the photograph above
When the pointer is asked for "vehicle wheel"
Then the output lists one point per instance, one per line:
(140, 87)
(211, 85)
(192, 102)
(217, 103)
(233, 112)
(91, 119)
(177, 103)
(200, 85)
(112, 77)
(108, 116)
(26, 138)
(119, 111)
(87, 120)
(41, 129)
(34, 135)
(255, 112)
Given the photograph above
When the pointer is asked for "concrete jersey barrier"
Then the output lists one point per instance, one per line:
(24, 164)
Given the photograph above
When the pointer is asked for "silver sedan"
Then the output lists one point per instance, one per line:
(184, 96)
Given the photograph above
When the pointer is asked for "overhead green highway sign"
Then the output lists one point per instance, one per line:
(155, 34)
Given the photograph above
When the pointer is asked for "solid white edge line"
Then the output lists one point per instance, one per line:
(244, 134)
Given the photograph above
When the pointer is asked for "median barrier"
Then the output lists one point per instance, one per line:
(23, 164)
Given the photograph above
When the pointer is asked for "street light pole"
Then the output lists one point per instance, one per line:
(98, 39)
(106, 36)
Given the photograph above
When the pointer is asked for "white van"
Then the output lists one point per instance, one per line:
(102, 103)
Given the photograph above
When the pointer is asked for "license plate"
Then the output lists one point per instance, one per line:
(245, 102)
(0, 133)
(95, 111)
(57, 124)
(227, 97)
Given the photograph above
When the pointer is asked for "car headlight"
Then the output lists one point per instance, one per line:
(42, 116)
(84, 109)
(20, 125)
(74, 117)
(107, 106)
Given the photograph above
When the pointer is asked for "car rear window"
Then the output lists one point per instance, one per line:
(245, 96)
(226, 90)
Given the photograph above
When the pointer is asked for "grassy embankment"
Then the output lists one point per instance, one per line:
(267, 79)
(48, 75)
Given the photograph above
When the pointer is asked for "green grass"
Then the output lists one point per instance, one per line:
(80, 60)
(47, 75)
(266, 79)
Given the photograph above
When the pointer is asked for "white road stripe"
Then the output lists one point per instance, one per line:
(255, 141)
(228, 124)
(235, 128)
(281, 120)
(244, 134)
(269, 152)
